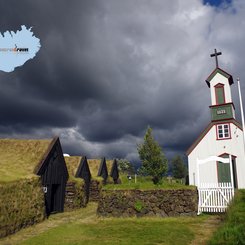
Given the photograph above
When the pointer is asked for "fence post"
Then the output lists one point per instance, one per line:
(231, 168)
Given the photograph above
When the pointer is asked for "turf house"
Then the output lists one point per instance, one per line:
(103, 171)
(53, 172)
(78, 170)
(33, 178)
(93, 172)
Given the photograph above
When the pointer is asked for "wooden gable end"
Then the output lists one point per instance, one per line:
(52, 167)
(114, 171)
(103, 172)
(83, 170)
(54, 175)
(206, 130)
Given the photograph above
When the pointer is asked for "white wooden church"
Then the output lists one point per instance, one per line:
(223, 137)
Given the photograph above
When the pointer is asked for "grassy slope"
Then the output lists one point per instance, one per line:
(232, 230)
(19, 158)
(83, 227)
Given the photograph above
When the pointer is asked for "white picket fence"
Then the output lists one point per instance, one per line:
(214, 198)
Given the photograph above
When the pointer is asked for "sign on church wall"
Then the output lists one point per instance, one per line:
(221, 112)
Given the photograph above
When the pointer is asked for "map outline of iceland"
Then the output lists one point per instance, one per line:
(16, 48)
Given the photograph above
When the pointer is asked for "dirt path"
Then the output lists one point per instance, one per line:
(204, 230)
(84, 215)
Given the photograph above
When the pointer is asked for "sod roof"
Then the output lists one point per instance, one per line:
(94, 165)
(72, 164)
(19, 157)
(109, 164)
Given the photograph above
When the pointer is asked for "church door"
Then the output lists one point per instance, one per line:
(224, 173)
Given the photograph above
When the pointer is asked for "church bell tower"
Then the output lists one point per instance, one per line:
(223, 137)
(219, 82)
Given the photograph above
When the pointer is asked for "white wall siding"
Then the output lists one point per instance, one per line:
(209, 146)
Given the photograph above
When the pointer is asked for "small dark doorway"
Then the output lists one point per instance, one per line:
(54, 198)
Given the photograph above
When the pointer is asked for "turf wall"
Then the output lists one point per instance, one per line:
(75, 196)
(163, 203)
(21, 205)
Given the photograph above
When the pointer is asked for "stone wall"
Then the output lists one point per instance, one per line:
(163, 203)
(21, 204)
(75, 196)
(94, 190)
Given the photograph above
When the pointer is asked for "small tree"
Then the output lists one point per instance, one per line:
(178, 167)
(152, 157)
(125, 166)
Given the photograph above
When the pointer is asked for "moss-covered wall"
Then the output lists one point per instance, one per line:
(75, 196)
(21, 204)
(163, 203)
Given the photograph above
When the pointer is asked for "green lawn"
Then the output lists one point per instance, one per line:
(118, 231)
(84, 227)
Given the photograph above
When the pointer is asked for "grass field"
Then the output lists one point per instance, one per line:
(84, 227)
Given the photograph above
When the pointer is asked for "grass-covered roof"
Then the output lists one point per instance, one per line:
(19, 157)
(109, 164)
(94, 165)
(72, 164)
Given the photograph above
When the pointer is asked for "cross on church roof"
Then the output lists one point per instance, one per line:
(216, 54)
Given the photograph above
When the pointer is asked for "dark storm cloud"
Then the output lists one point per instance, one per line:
(108, 69)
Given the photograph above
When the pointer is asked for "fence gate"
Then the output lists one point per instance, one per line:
(214, 197)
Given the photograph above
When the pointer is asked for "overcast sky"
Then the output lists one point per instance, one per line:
(109, 68)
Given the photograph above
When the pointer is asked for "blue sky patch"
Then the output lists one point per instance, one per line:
(217, 3)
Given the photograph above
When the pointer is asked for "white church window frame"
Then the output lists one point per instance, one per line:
(223, 131)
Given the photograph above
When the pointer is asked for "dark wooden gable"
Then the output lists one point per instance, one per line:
(103, 172)
(114, 171)
(52, 167)
(54, 175)
(83, 170)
